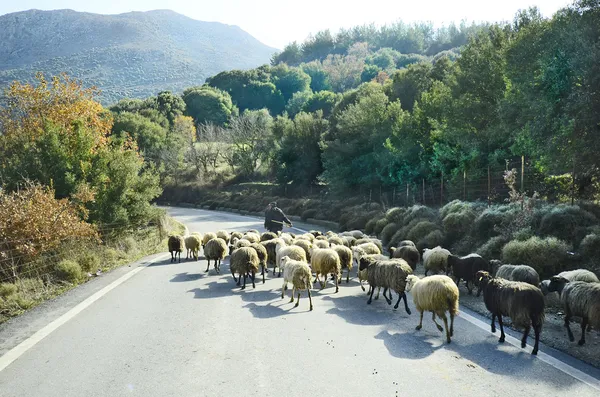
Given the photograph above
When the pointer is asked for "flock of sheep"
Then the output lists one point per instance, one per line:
(508, 290)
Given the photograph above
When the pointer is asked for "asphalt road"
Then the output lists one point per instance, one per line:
(172, 330)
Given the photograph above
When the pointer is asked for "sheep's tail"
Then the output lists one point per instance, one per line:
(453, 306)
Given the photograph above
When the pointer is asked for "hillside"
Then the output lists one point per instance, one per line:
(134, 54)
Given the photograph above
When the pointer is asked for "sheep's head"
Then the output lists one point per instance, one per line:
(411, 280)
(392, 249)
(364, 263)
(544, 286)
(284, 261)
(495, 265)
(482, 278)
(557, 283)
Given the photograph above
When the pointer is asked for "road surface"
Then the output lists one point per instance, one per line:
(165, 329)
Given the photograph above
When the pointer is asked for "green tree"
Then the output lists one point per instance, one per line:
(289, 80)
(324, 101)
(291, 55)
(251, 137)
(209, 105)
(369, 73)
(297, 102)
(319, 80)
(150, 137)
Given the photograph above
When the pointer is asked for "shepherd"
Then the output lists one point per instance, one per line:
(275, 219)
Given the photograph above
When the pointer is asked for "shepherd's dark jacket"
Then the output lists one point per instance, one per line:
(275, 214)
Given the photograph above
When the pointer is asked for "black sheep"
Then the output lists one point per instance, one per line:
(465, 268)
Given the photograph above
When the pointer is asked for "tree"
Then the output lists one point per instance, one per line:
(319, 80)
(323, 101)
(289, 80)
(209, 105)
(207, 149)
(297, 102)
(291, 55)
(251, 138)
(169, 105)
(408, 84)
(299, 157)
(150, 137)
(369, 73)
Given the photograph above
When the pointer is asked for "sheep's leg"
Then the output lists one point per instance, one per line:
(253, 277)
(388, 300)
(298, 300)
(470, 289)
(584, 323)
(443, 316)
(361, 285)
(426, 271)
(293, 291)
(451, 324)
(207, 267)
(245, 275)
(348, 276)
(371, 296)
(420, 322)
(525, 335)
(398, 302)
(502, 336)
(439, 327)
(337, 285)
(233, 275)
(179, 257)
(537, 329)
(568, 325)
(390, 294)
(493, 323)
(283, 288)
(324, 282)
(310, 299)
(478, 291)
(378, 290)
(405, 303)
(263, 273)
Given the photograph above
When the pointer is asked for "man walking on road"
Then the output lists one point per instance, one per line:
(275, 218)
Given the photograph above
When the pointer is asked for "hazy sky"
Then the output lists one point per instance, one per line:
(277, 22)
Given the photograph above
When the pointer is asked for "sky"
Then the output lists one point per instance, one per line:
(278, 22)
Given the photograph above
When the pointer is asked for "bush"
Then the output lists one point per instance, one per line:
(68, 270)
(421, 229)
(89, 261)
(563, 220)
(492, 249)
(396, 215)
(485, 224)
(523, 234)
(420, 212)
(548, 256)
(128, 244)
(455, 207)
(432, 240)
(458, 224)
(308, 214)
(590, 248)
(388, 231)
(379, 225)
(7, 289)
(370, 226)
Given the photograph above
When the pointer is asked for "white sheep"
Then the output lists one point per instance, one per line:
(435, 259)
(325, 261)
(299, 274)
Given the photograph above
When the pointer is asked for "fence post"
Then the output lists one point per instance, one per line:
(442, 191)
(489, 187)
(423, 191)
(464, 185)
(407, 194)
(522, 171)
(573, 183)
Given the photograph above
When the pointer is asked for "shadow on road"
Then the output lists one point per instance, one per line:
(285, 308)
(183, 277)
(354, 309)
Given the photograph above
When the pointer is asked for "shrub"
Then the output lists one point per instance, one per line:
(388, 231)
(590, 248)
(485, 225)
(492, 249)
(371, 225)
(7, 289)
(396, 215)
(523, 234)
(421, 229)
(311, 213)
(379, 225)
(548, 256)
(68, 270)
(89, 261)
(421, 212)
(433, 239)
(458, 224)
(455, 207)
(563, 220)
(128, 244)
(463, 246)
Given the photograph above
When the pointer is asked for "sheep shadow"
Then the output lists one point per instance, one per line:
(183, 277)
(354, 310)
(272, 311)
(213, 289)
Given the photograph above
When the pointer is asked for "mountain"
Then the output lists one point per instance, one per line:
(135, 54)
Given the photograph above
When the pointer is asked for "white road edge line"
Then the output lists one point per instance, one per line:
(554, 362)
(28, 343)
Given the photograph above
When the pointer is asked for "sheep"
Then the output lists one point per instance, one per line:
(405, 243)
(465, 268)
(345, 255)
(176, 245)
(306, 246)
(245, 262)
(324, 261)
(253, 231)
(407, 252)
(572, 275)
(299, 274)
(435, 259)
(335, 240)
(215, 249)
(437, 294)
(239, 235)
(321, 237)
(224, 234)
(287, 238)
(306, 236)
(261, 251)
(192, 243)
(358, 251)
(348, 241)
(523, 273)
(252, 237)
(581, 299)
(522, 302)
(357, 234)
(388, 274)
(293, 251)
(207, 237)
(315, 233)
(271, 247)
(362, 275)
(266, 236)
(321, 244)
(365, 240)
